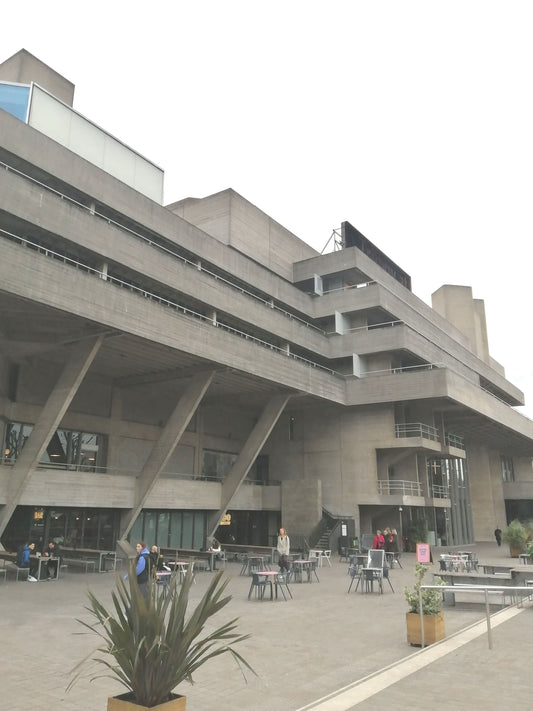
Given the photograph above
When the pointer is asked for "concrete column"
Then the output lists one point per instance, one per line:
(48, 421)
(165, 445)
(253, 445)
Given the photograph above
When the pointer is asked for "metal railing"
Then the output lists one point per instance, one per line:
(405, 369)
(453, 440)
(399, 486)
(486, 589)
(440, 492)
(416, 429)
(179, 308)
(156, 245)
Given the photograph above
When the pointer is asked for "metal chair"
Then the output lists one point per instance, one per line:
(354, 572)
(376, 563)
(282, 581)
(259, 584)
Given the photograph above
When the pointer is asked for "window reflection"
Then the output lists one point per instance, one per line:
(69, 449)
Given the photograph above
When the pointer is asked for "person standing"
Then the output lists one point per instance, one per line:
(157, 562)
(379, 541)
(498, 535)
(284, 549)
(142, 567)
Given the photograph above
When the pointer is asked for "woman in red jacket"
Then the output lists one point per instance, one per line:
(379, 541)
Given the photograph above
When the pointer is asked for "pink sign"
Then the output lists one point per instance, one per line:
(423, 553)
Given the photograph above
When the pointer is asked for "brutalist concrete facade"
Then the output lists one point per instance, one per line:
(223, 365)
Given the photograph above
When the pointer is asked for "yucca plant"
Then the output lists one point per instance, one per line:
(151, 645)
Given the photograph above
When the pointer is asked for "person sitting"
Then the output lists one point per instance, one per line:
(52, 552)
(24, 560)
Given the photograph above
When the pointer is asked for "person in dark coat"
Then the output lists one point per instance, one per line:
(498, 535)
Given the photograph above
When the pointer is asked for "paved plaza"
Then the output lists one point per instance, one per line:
(323, 650)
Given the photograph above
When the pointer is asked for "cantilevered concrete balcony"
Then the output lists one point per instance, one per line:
(49, 486)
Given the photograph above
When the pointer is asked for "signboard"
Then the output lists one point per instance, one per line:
(225, 520)
(423, 553)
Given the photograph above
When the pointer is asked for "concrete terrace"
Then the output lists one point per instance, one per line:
(324, 650)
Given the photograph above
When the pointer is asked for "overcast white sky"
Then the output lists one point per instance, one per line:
(413, 120)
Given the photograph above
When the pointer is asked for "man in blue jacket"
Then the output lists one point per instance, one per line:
(24, 560)
(142, 567)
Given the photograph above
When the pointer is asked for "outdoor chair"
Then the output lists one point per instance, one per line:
(354, 571)
(259, 584)
(282, 582)
(376, 563)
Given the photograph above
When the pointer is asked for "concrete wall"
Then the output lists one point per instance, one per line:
(486, 490)
(458, 306)
(301, 505)
(23, 68)
(233, 220)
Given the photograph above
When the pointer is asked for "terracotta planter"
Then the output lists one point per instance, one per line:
(514, 552)
(124, 703)
(433, 628)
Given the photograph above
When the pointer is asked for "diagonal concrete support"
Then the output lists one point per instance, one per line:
(246, 458)
(48, 421)
(165, 445)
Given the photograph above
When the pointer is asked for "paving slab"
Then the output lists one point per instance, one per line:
(304, 650)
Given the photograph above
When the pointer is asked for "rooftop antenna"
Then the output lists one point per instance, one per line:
(336, 236)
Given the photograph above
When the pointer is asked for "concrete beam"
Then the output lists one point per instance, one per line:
(247, 456)
(165, 445)
(48, 421)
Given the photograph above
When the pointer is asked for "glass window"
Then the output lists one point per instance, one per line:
(187, 530)
(163, 520)
(507, 468)
(82, 451)
(199, 526)
(14, 99)
(216, 464)
(149, 532)
(16, 437)
(175, 529)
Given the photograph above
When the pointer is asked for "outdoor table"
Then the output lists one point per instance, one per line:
(179, 566)
(367, 577)
(272, 576)
(40, 559)
(308, 565)
(162, 579)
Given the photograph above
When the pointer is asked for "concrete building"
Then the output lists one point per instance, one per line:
(163, 367)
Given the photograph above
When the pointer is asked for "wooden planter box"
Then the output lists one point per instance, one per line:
(433, 628)
(124, 703)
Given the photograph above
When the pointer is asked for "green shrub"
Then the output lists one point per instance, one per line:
(431, 599)
(515, 534)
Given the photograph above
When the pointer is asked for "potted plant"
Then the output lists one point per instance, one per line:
(431, 609)
(515, 535)
(151, 645)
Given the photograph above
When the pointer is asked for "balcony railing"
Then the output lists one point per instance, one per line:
(440, 492)
(399, 486)
(417, 429)
(453, 440)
